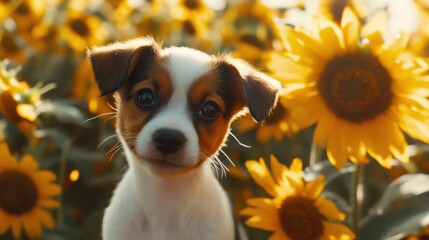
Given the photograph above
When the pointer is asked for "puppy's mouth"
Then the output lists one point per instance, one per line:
(161, 162)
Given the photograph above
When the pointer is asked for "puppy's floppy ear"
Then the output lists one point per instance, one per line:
(258, 91)
(114, 63)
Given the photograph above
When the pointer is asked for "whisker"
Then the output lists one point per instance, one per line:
(119, 148)
(238, 141)
(227, 157)
(223, 167)
(123, 169)
(113, 108)
(100, 115)
(112, 117)
(214, 165)
(117, 145)
(107, 139)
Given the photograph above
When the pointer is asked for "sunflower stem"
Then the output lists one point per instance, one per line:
(356, 196)
(61, 176)
(315, 154)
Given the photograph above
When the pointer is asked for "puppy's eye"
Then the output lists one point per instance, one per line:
(209, 111)
(145, 98)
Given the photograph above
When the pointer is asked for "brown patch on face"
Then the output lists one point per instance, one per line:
(131, 117)
(218, 87)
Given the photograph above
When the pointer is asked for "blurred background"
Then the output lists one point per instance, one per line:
(50, 106)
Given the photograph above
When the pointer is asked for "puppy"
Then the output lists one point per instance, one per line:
(174, 110)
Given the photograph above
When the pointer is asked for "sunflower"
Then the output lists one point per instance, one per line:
(26, 13)
(22, 114)
(249, 28)
(296, 209)
(25, 193)
(154, 21)
(194, 18)
(360, 90)
(81, 31)
(276, 126)
(192, 9)
(2, 130)
(19, 101)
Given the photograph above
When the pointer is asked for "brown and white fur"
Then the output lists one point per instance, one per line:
(174, 110)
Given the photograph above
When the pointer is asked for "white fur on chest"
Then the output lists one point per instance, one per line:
(182, 208)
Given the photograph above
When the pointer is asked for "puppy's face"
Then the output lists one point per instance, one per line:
(175, 105)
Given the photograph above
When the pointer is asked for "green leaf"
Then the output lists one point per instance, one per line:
(404, 187)
(91, 229)
(327, 169)
(395, 224)
(64, 112)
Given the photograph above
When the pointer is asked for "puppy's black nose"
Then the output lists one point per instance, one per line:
(168, 140)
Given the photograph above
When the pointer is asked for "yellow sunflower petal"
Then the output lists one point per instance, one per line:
(328, 209)
(5, 150)
(398, 144)
(261, 175)
(263, 216)
(389, 55)
(351, 27)
(310, 45)
(45, 218)
(414, 126)
(337, 231)
(294, 176)
(279, 235)
(4, 222)
(336, 149)
(28, 164)
(46, 176)
(48, 203)
(355, 147)
(7, 161)
(377, 148)
(277, 169)
(16, 227)
(50, 190)
(308, 115)
(324, 128)
(332, 38)
(31, 226)
(374, 27)
(314, 188)
(27, 111)
(296, 165)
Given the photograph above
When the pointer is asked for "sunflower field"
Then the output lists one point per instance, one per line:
(344, 155)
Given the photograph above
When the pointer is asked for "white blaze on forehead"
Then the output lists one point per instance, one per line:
(185, 65)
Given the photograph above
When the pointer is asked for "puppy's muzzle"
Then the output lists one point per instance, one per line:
(168, 140)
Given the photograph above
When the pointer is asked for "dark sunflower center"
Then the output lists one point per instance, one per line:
(18, 192)
(8, 43)
(252, 40)
(79, 26)
(23, 9)
(277, 115)
(189, 27)
(356, 87)
(191, 4)
(300, 220)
